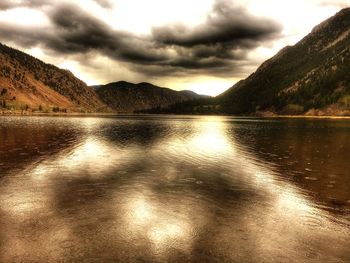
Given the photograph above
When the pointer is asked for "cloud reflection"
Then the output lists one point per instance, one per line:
(198, 193)
(92, 156)
(157, 222)
(140, 212)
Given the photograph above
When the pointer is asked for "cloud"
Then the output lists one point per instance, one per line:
(334, 3)
(5, 4)
(104, 3)
(8, 4)
(226, 36)
(73, 31)
(215, 47)
(79, 32)
(226, 24)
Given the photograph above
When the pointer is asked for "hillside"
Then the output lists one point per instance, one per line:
(126, 97)
(311, 77)
(27, 83)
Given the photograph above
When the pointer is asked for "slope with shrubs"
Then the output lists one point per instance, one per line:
(27, 83)
(311, 77)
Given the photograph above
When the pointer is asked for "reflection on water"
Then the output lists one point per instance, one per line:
(174, 189)
(145, 218)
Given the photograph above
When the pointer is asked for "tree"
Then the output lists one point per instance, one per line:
(3, 92)
(55, 109)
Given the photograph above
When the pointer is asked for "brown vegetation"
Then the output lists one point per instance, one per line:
(28, 84)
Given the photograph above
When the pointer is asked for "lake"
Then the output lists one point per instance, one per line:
(174, 189)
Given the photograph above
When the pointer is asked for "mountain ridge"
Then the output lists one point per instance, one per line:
(126, 97)
(29, 83)
(307, 78)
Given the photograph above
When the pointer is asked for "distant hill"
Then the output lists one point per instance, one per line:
(311, 77)
(127, 97)
(29, 84)
(96, 87)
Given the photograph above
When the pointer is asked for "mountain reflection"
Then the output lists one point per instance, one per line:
(189, 190)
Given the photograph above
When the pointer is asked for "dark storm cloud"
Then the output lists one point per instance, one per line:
(219, 44)
(73, 31)
(226, 24)
(79, 32)
(227, 35)
(4, 4)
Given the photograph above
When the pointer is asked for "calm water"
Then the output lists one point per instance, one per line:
(174, 189)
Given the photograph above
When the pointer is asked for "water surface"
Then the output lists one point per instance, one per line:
(174, 189)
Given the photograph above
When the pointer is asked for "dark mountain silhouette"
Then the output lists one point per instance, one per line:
(129, 98)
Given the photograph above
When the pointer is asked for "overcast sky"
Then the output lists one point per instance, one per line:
(201, 45)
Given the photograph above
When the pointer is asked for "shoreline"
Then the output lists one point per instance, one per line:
(16, 113)
(106, 114)
(310, 117)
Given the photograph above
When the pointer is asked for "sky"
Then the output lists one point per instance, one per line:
(200, 45)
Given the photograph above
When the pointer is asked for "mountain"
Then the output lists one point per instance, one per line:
(27, 83)
(96, 87)
(311, 77)
(127, 97)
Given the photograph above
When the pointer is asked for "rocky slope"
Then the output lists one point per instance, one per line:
(126, 97)
(27, 83)
(311, 77)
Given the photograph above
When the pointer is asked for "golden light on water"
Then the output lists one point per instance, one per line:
(90, 124)
(163, 230)
(208, 139)
(287, 198)
(90, 148)
(140, 212)
(167, 235)
(92, 155)
(40, 172)
(89, 155)
(23, 203)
